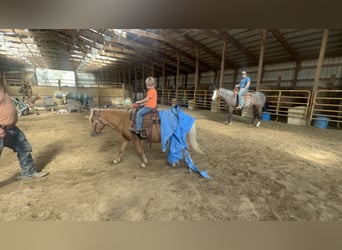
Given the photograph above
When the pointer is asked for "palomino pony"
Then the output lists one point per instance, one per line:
(256, 100)
(120, 120)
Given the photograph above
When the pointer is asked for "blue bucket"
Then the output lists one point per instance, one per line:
(266, 116)
(321, 122)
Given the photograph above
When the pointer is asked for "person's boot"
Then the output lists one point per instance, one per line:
(34, 175)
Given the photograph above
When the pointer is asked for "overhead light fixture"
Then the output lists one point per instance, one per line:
(120, 33)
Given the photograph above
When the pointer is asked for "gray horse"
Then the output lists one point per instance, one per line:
(256, 100)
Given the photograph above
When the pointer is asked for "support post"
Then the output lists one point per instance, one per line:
(222, 63)
(261, 59)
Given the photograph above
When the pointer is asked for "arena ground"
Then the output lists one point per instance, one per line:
(278, 172)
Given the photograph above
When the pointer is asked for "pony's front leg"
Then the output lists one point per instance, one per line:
(254, 116)
(123, 146)
(141, 151)
(230, 115)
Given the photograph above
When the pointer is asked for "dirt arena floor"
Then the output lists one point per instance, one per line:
(277, 172)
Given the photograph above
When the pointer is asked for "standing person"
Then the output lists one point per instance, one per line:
(243, 88)
(12, 137)
(149, 102)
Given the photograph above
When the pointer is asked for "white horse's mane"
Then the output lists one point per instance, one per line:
(223, 92)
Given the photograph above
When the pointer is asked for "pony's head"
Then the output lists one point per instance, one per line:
(96, 125)
(215, 95)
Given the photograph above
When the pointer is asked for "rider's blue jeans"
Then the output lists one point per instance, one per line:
(242, 92)
(140, 115)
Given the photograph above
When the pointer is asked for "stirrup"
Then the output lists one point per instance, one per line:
(143, 133)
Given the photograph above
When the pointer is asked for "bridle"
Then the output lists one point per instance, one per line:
(217, 94)
(99, 119)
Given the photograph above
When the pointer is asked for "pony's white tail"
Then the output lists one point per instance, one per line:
(193, 141)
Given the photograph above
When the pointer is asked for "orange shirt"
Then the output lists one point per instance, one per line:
(152, 102)
(8, 113)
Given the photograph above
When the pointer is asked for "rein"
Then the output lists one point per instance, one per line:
(235, 92)
(97, 120)
(218, 94)
(100, 119)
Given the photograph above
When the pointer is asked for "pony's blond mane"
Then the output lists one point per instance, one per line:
(92, 112)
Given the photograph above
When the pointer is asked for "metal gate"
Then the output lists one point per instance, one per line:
(328, 104)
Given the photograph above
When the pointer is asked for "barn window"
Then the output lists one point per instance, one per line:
(49, 77)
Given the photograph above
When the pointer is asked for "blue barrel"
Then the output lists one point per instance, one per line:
(86, 97)
(58, 94)
(321, 122)
(72, 95)
(266, 116)
(79, 97)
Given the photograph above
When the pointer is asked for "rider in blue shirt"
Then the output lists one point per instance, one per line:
(243, 88)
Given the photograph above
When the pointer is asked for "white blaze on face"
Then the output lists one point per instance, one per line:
(214, 95)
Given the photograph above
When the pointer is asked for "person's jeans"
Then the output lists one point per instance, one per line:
(16, 140)
(140, 115)
(240, 95)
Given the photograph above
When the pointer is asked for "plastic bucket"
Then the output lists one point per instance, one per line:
(321, 122)
(266, 116)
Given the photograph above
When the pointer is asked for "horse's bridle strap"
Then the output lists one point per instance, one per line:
(99, 119)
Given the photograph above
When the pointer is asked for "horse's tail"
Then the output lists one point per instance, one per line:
(261, 101)
(193, 141)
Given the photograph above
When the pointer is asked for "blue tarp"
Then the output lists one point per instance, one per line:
(175, 125)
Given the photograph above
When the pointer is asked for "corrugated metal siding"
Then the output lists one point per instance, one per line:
(85, 79)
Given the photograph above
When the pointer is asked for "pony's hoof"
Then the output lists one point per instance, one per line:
(258, 124)
(228, 123)
(143, 165)
(116, 161)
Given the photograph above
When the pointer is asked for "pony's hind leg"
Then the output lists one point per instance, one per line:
(258, 113)
(121, 151)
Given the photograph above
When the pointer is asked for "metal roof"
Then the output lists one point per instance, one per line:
(102, 51)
